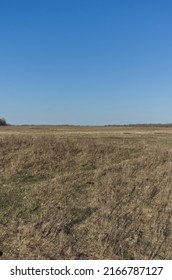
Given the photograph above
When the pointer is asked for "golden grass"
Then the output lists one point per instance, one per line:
(85, 192)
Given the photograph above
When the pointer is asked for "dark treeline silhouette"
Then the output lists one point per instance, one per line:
(3, 121)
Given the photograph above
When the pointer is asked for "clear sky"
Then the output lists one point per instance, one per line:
(86, 62)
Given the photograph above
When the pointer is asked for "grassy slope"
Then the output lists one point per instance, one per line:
(85, 193)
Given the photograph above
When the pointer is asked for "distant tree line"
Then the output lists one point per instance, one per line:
(3, 121)
(143, 125)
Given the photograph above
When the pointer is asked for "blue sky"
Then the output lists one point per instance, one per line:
(89, 62)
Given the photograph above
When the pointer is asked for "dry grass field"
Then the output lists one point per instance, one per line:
(85, 192)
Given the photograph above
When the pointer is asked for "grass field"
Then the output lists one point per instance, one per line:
(71, 192)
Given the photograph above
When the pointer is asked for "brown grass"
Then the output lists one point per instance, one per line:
(85, 192)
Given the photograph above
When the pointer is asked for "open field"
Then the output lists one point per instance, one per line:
(71, 192)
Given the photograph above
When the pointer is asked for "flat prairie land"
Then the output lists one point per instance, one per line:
(73, 192)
